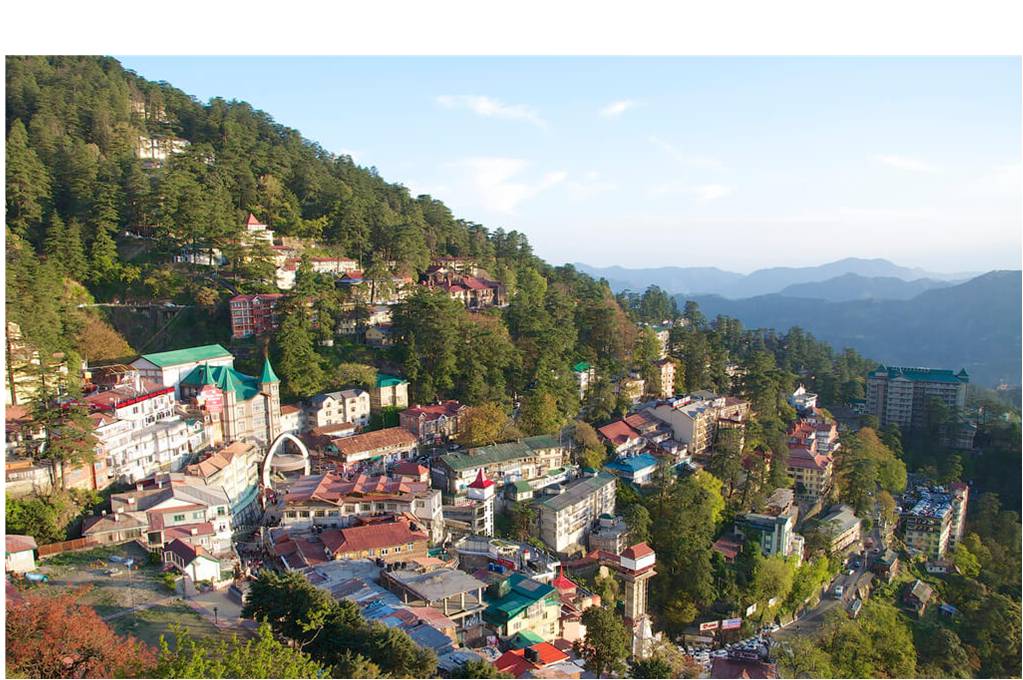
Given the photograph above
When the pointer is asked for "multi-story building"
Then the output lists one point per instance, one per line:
(452, 592)
(168, 368)
(139, 431)
(610, 535)
(622, 436)
(328, 500)
(518, 604)
(960, 493)
(774, 533)
(843, 526)
(528, 459)
(565, 520)
(235, 406)
(812, 472)
(638, 469)
(389, 392)
(235, 470)
(291, 418)
(933, 519)
(475, 292)
(433, 423)
(666, 366)
(255, 314)
(693, 423)
(333, 408)
(163, 508)
(900, 395)
(257, 231)
(584, 374)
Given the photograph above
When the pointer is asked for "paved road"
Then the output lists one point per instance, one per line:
(810, 622)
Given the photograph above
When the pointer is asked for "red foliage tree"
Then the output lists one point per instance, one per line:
(54, 636)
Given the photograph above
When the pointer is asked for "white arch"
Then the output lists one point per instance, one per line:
(273, 451)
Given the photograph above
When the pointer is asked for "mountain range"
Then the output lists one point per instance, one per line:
(849, 278)
(973, 325)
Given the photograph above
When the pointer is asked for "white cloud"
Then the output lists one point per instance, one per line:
(906, 163)
(491, 108)
(1003, 179)
(703, 192)
(617, 108)
(693, 160)
(497, 185)
(589, 186)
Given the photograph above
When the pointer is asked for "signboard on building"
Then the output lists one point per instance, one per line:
(709, 625)
(731, 624)
(750, 609)
(211, 398)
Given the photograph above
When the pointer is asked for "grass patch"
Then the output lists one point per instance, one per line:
(75, 559)
(149, 624)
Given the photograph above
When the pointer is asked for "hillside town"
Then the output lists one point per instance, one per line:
(268, 414)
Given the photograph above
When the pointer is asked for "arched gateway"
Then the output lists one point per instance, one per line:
(273, 452)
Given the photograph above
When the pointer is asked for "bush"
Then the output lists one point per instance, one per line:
(169, 580)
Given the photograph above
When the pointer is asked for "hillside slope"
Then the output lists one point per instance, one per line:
(973, 325)
(856, 287)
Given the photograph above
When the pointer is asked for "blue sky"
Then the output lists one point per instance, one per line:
(737, 163)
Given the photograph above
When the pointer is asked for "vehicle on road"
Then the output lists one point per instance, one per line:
(839, 591)
(113, 572)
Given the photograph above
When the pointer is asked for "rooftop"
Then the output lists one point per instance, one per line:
(577, 491)
(245, 387)
(378, 439)
(499, 453)
(186, 356)
(384, 380)
(632, 464)
(941, 375)
(437, 584)
(619, 432)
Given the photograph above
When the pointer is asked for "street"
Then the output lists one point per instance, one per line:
(809, 622)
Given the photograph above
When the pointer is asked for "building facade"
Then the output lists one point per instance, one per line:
(333, 408)
(255, 314)
(900, 395)
(565, 520)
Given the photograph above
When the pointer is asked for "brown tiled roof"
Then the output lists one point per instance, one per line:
(635, 552)
(332, 488)
(290, 408)
(371, 536)
(218, 460)
(185, 551)
(802, 457)
(447, 408)
(372, 441)
(109, 522)
(184, 531)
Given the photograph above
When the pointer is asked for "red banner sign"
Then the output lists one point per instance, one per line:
(212, 399)
(709, 625)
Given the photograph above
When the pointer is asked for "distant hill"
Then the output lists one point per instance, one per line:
(714, 281)
(973, 325)
(856, 287)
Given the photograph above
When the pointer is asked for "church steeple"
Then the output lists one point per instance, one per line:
(268, 375)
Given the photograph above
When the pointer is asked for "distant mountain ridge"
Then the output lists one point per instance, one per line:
(973, 325)
(856, 287)
(714, 281)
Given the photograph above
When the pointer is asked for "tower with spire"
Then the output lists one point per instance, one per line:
(270, 388)
(482, 491)
(635, 568)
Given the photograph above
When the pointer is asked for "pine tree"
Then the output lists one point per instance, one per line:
(300, 365)
(104, 265)
(72, 251)
(28, 185)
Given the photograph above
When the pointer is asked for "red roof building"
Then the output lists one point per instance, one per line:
(391, 539)
(432, 423)
(620, 434)
(481, 481)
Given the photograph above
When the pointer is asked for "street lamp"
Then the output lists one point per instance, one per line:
(215, 619)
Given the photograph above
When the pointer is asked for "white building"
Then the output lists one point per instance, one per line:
(566, 519)
(168, 368)
(585, 374)
(235, 470)
(139, 431)
(193, 561)
(19, 554)
(333, 408)
(291, 419)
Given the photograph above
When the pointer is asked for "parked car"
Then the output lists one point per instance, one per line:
(839, 591)
(113, 572)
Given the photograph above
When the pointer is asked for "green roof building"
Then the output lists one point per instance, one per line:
(169, 368)
(518, 605)
(526, 459)
(901, 395)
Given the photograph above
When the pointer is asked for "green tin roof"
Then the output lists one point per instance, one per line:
(581, 367)
(384, 380)
(524, 593)
(268, 373)
(522, 486)
(942, 375)
(245, 387)
(498, 453)
(186, 356)
(525, 638)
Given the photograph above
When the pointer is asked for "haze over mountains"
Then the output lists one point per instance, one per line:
(714, 281)
(893, 314)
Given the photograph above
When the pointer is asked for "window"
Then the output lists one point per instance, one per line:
(179, 518)
(410, 547)
(383, 551)
(221, 511)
